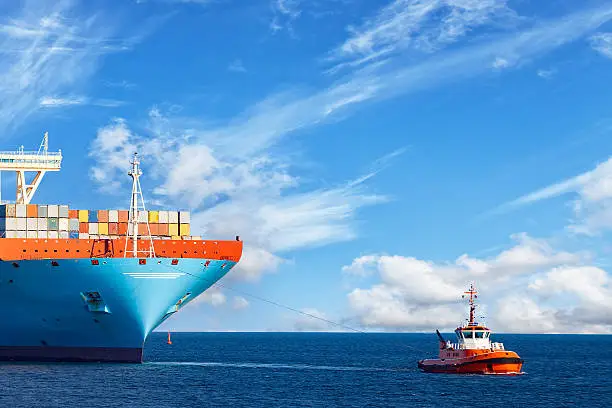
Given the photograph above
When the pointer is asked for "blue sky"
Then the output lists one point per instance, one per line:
(375, 156)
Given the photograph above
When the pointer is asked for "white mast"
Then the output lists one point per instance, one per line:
(135, 208)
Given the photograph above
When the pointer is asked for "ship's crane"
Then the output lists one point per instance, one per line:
(21, 161)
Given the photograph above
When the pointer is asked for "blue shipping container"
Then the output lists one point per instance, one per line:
(93, 216)
(73, 235)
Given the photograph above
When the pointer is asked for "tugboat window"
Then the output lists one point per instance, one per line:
(479, 334)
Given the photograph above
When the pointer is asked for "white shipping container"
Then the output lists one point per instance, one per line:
(184, 217)
(53, 211)
(42, 224)
(93, 236)
(143, 216)
(32, 224)
(104, 237)
(10, 224)
(42, 234)
(83, 235)
(10, 234)
(130, 230)
(113, 216)
(42, 211)
(32, 234)
(163, 217)
(21, 224)
(63, 224)
(21, 211)
(63, 211)
(21, 234)
(173, 217)
(53, 235)
(93, 227)
(64, 235)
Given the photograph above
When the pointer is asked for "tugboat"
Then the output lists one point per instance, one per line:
(474, 353)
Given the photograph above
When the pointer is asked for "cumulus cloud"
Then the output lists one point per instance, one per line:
(413, 294)
(250, 193)
(213, 296)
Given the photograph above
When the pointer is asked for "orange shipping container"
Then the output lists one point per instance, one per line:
(73, 213)
(84, 227)
(142, 229)
(102, 215)
(162, 230)
(32, 211)
(124, 216)
(123, 228)
(154, 229)
(113, 228)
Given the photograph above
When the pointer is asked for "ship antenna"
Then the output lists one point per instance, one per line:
(473, 295)
(135, 208)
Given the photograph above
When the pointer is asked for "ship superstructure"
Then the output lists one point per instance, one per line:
(85, 285)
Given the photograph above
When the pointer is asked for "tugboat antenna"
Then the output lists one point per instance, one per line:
(473, 295)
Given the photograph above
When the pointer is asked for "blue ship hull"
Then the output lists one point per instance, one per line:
(75, 310)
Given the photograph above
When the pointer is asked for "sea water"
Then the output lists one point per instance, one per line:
(317, 370)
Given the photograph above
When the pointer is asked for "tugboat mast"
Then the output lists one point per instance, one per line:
(473, 295)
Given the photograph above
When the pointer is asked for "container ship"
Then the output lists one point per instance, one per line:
(90, 285)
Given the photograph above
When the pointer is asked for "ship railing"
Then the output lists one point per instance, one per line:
(457, 346)
(497, 346)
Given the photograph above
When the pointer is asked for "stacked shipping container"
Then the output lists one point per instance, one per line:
(58, 221)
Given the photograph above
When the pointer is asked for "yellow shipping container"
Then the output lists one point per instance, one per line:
(103, 228)
(154, 216)
(83, 216)
(176, 237)
(173, 230)
(185, 229)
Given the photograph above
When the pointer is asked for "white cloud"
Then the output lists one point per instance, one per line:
(240, 303)
(413, 294)
(58, 102)
(546, 73)
(602, 43)
(237, 66)
(426, 25)
(48, 49)
(212, 296)
(592, 199)
(250, 194)
(500, 63)
(285, 12)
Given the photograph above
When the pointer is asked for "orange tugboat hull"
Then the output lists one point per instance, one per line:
(508, 363)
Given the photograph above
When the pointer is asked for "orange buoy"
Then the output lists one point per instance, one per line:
(169, 341)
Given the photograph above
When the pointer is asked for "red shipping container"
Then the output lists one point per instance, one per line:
(102, 215)
(73, 213)
(123, 215)
(84, 227)
(123, 228)
(162, 229)
(113, 228)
